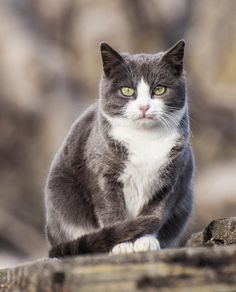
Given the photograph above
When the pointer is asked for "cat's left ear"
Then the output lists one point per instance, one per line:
(175, 56)
(111, 59)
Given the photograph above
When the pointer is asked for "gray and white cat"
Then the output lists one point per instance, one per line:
(122, 180)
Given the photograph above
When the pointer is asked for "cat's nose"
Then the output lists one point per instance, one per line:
(144, 109)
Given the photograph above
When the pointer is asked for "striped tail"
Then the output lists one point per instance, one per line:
(103, 240)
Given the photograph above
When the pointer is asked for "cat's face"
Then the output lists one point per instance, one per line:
(143, 89)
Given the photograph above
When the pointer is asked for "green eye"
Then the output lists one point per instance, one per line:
(127, 91)
(159, 90)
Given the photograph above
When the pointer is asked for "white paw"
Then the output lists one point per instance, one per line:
(146, 243)
(124, 247)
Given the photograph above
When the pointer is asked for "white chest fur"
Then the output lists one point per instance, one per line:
(148, 152)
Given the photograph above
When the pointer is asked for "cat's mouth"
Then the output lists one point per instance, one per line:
(145, 117)
(145, 120)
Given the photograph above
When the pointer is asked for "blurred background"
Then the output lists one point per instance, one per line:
(49, 71)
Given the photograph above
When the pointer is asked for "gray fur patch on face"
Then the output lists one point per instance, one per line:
(127, 70)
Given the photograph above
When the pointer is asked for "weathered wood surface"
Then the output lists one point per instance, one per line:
(185, 269)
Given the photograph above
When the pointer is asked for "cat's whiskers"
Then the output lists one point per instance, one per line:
(177, 121)
(167, 121)
(166, 124)
(173, 119)
(157, 115)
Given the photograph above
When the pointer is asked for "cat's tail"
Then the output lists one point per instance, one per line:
(105, 239)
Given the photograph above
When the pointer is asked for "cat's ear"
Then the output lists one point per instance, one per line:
(175, 56)
(111, 59)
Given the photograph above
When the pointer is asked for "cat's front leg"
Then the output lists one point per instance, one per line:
(110, 204)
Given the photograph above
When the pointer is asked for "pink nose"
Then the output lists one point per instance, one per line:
(144, 109)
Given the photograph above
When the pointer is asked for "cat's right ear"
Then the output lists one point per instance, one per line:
(111, 59)
(174, 57)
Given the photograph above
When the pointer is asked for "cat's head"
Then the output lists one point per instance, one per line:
(143, 89)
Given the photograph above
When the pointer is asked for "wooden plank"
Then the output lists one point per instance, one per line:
(185, 269)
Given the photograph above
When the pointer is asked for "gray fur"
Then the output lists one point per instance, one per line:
(83, 188)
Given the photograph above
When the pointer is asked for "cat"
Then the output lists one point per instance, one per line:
(122, 180)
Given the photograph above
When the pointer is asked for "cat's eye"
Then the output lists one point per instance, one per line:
(127, 91)
(159, 90)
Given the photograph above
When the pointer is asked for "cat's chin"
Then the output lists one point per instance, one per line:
(132, 122)
(146, 123)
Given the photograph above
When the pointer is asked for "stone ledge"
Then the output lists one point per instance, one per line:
(218, 232)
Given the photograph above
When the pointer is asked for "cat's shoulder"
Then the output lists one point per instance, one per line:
(87, 117)
(78, 133)
(84, 122)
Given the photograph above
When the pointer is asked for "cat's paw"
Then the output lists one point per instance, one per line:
(146, 243)
(122, 248)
